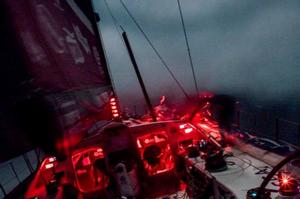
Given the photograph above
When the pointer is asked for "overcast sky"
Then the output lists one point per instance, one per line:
(239, 47)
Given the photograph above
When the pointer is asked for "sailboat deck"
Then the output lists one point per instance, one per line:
(244, 172)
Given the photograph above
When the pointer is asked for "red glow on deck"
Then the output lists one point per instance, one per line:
(207, 127)
(187, 136)
(86, 161)
(45, 175)
(182, 186)
(90, 169)
(155, 152)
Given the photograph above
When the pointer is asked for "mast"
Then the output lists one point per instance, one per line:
(188, 46)
(138, 74)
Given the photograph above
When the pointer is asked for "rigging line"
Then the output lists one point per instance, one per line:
(156, 52)
(188, 46)
(115, 21)
(250, 163)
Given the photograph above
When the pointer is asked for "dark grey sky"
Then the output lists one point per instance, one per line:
(239, 47)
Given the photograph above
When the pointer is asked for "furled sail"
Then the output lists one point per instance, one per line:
(54, 73)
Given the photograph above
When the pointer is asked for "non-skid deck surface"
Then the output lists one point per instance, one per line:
(244, 172)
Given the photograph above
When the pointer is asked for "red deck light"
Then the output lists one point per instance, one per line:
(285, 181)
(288, 184)
(188, 130)
(99, 153)
(52, 159)
(49, 162)
(114, 107)
(182, 126)
(49, 166)
(139, 144)
(115, 115)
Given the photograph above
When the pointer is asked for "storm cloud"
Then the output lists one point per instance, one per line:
(241, 48)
